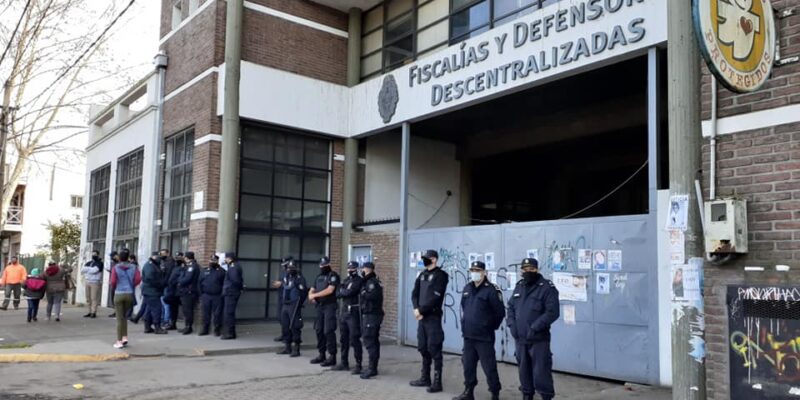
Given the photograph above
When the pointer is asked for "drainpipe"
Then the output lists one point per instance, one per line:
(229, 165)
(161, 60)
(350, 144)
(713, 142)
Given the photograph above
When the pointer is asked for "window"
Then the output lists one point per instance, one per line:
(284, 209)
(99, 184)
(128, 201)
(176, 212)
(76, 201)
(396, 32)
(177, 14)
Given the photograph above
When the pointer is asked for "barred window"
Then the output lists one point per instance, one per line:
(128, 200)
(177, 191)
(99, 184)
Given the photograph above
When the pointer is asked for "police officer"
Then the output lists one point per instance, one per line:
(531, 310)
(278, 284)
(231, 291)
(171, 296)
(295, 291)
(152, 289)
(350, 318)
(187, 290)
(210, 283)
(371, 301)
(323, 294)
(482, 312)
(427, 298)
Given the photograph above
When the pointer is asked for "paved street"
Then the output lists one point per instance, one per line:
(179, 374)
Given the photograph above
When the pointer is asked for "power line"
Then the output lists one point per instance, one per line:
(609, 194)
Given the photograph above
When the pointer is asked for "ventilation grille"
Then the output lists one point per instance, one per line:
(775, 309)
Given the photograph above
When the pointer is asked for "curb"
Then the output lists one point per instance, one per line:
(61, 358)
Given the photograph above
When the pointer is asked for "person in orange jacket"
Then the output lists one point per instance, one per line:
(13, 277)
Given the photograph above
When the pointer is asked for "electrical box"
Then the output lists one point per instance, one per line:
(726, 226)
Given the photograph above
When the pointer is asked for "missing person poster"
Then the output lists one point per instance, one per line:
(570, 287)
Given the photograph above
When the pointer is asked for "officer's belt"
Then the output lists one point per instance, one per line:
(351, 307)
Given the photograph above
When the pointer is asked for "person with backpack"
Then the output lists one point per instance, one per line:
(125, 277)
(56, 278)
(35, 286)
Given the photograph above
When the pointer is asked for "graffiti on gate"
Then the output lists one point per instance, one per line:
(764, 341)
(456, 263)
(563, 256)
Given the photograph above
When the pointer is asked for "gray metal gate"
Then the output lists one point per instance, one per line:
(613, 335)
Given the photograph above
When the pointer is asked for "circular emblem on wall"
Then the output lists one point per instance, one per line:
(737, 40)
(388, 98)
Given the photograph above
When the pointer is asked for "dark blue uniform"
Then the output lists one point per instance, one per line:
(325, 325)
(295, 293)
(171, 293)
(482, 313)
(210, 283)
(188, 291)
(350, 318)
(371, 301)
(232, 290)
(428, 297)
(531, 310)
(152, 288)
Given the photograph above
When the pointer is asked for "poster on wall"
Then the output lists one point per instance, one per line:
(603, 285)
(763, 346)
(615, 260)
(492, 275)
(557, 260)
(599, 260)
(686, 282)
(585, 259)
(511, 277)
(678, 214)
(474, 257)
(569, 314)
(532, 253)
(677, 247)
(415, 259)
(488, 258)
(570, 287)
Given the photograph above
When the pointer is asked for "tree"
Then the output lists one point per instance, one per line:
(52, 68)
(65, 241)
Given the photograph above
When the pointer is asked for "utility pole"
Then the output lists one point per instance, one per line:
(683, 72)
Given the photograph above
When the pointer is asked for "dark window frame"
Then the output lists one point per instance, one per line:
(97, 215)
(171, 233)
(127, 207)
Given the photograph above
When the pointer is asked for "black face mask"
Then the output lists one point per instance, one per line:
(214, 265)
(95, 258)
(353, 272)
(163, 257)
(292, 272)
(530, 277)
(325, 270)
(426, 262)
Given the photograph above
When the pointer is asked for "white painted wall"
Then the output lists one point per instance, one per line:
(136, 133)
(664, 293)
(433, 170)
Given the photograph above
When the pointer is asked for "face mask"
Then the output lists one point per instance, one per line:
(325, 270)
(95, 258)
(353, 272)
(163, 257)
(292, 272)
(426, 262)
(214, 265)
(529, 276)
(475, 276)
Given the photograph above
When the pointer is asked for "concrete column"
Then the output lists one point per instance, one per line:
(229, 169)
(405, 149)
(688, 372)
(350, 144)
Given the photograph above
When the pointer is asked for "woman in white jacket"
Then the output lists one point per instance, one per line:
(93, 276)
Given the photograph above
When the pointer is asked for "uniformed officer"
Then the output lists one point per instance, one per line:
(350, 319)
(531, 310)
(210, 284)
(187, 290)
(482, 313)
(278, 284)
(231, 291)
(295, 291)
(323, 294)
(371, 301)
(427, 298)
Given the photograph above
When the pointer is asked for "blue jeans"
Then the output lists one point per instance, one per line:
(166, 316)
(33, 308)
(153, 314)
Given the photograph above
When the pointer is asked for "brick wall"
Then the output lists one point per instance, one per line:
(385, 246)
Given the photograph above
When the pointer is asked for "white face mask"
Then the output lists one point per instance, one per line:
(475, 276)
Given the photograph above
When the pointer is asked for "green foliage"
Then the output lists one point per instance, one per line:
(65, 241)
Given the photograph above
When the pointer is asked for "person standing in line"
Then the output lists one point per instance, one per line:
(350, 319)
(56, 278)
(167, 264)
(482, 313)
(171, 293)
(125, 277)
(295, 292)
(210, 284)
(231, 291)
(35, 287)
(152, 289)
(114, 256)
(187, 290)
(92, 273)
(428, 298)
(323, 294)
(532, 309)
(13, 278)
(371, 301)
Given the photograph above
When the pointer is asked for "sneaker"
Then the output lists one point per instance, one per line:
(118, 345)
(58, 319)
(125, 341)
(94, 315)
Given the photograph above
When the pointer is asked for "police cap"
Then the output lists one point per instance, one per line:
(530, 262)
(478, 265)
(430, 254)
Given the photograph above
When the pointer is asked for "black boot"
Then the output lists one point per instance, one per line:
(217, 331)
(495, 395)
(527, 397)
(87, 315)
(295, 351)
(369, 372)
(278, 339)
(343, 366)
(286, 350)
(424, 378)
(148, 329)
(319, 360)
(357, 369)
(469, 394)
(187, 331)
(436, 385)
(331, 361)
(203, 332)
(173, 325)
(160, 331)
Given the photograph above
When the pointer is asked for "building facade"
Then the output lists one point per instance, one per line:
(486, 129)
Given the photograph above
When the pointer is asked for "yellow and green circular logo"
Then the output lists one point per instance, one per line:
(737, 39)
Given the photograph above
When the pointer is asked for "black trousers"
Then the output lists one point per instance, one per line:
(229, 317)
(370, 335)
(292, 323)
(430, 338)
(212, 309)
(536, 369)
(173, 302)
(154, 311)
(475, 351)
(187, 307)
(350, 334)
(325, 327)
